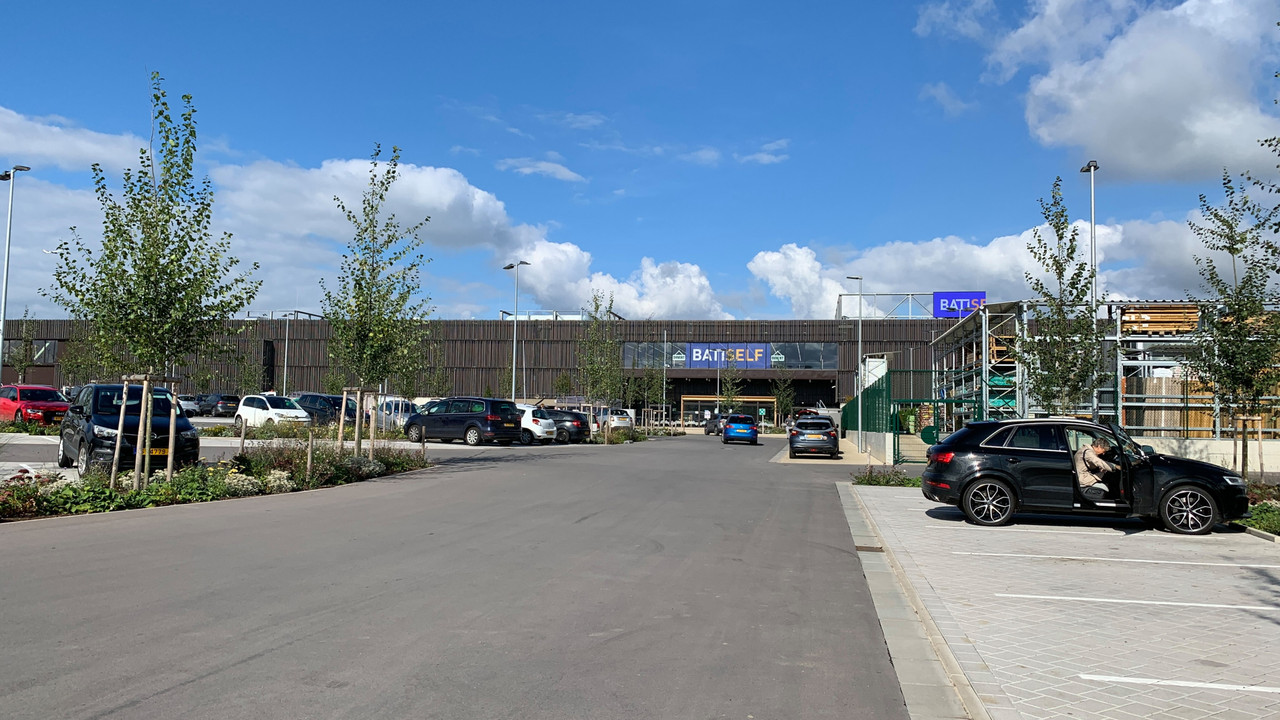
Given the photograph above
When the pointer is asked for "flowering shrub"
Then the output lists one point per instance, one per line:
(278, 481)
(239, 485)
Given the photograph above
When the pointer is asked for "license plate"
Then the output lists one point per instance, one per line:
(508, 424)
(159, 451)
(57, 418)
(812, 437)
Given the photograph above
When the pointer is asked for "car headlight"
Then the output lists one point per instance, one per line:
(32, 411)
(1233, 479)
(104, 432)
(189, 434)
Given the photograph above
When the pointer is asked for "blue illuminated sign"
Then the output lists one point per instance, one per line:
(748, 356)
(957, 304)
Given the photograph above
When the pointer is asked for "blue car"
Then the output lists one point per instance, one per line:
(740, 427)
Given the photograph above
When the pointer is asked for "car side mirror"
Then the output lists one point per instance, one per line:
(1148, 449)
(76, 409)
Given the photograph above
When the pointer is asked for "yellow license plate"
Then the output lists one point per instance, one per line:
(509, 424)
(812, 437)
(159, 451)
(57, 418)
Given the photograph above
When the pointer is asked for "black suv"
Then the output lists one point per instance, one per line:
(218, 404)
(571, 426)
(323, 409)
(475, 420)
(993, 469)
(88, 435)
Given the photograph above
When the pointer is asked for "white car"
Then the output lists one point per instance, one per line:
(536, 425)
(619, 419)
(189, 406)
(260, 410)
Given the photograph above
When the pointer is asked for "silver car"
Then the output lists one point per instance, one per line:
(190, 406)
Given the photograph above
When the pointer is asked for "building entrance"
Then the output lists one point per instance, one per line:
(694, 408)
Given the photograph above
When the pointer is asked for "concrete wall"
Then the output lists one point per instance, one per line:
(1218, 452)
(879, 445)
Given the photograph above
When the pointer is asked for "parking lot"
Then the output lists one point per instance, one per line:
(1053, 617)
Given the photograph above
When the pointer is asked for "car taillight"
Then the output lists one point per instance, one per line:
(943, 457)
(492, 418)
(795, 432)
(831, 434)
(577, 423)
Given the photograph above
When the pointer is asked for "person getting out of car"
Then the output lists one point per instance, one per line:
(1091, 469)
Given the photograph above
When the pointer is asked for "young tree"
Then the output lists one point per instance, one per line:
(161, 284)
(375, 310)
(1237, 345)
(1062, 353)
(22, 353)
(600, 353)
(784, 393)
(563, 385)
(731, 384)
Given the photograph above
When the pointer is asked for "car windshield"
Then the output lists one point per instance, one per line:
(276, 402)
(107, 401)
(42, 395)
(740, 420)
(814, 425)
(229, 398)
(959, 437)
(505, 408)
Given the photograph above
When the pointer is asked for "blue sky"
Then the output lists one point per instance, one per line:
(696, 160)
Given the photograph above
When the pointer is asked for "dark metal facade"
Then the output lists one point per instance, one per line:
(478, 352)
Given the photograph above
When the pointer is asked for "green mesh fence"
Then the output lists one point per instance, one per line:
(877, 408)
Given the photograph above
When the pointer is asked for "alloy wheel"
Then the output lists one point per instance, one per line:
(82, 459)
(989, 503)
(1189, 511)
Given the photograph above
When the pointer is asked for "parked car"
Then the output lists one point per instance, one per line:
(536, 425)
(619, 419)
(262, 410)
(994, 469)
(393, 413)
(220, 405)
(472, 419)
(571, 426)
(323, 409)
(712, 425)
(88, 439)
(32, 403)
(740, 427)
(813, 435)
(189, 405)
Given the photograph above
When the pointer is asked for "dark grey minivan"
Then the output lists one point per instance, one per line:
(471, 419)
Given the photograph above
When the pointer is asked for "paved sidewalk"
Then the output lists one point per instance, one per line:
(1079, 617)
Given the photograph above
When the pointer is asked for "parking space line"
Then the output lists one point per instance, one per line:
(1102, 533)
(1181, 683)
(1139, 602)
(1123, 560)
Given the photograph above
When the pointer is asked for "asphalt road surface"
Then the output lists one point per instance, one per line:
(674, 578)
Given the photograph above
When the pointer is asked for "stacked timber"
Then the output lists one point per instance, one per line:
(1164, 319)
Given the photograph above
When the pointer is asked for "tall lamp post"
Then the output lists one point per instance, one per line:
(862, 446)
(11, 176)
(515, 320)
(1091, 168)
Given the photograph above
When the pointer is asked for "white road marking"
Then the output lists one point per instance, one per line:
(1139, 602)
(1103, 559)
(1103, 533)
(1181, 683)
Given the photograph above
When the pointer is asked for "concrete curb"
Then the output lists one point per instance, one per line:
(946, 695)
(1259, 533)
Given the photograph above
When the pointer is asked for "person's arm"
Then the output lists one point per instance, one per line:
(1095, 463)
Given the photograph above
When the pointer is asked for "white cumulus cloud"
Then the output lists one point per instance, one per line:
(530, 166)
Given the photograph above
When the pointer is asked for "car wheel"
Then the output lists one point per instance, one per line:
(526, 437)
(268, 423)
(793, 454)
(82, 459)
(17, 416)
(63, 460)
(473, 436)
(415, 433)
(724, 441)
(755, 441)
(1189, 510)
(988, 502)
(562, 437)
(238, 422)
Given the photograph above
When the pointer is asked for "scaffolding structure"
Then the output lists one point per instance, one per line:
(1150, 390)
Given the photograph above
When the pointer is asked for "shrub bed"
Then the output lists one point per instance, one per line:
(263, 470)
(892, 476)
(298, 432)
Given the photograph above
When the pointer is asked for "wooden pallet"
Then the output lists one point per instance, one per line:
(1179, 319)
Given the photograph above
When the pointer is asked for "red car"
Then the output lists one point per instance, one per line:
(32, 403)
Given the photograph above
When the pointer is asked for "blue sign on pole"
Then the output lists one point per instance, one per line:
(957, 304)
(745, 356)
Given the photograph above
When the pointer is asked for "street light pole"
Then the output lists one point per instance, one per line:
(1091, 168)
(11, 176)
(515, 321)
(284, 389)
(862, 445)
